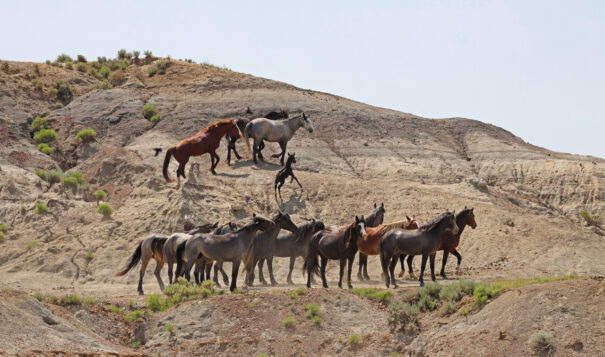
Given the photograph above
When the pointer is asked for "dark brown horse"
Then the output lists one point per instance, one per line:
(424, 241)
(206, 140)
(450, 243)
(336, 246)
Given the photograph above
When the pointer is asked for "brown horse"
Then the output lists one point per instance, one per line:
(368, 245)
(150, 247)
(449, 245)
(206, 140)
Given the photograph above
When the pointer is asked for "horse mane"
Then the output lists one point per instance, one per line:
(383, 228)
(216, 124)
(304, 228)
(372, 216)
(430, 226)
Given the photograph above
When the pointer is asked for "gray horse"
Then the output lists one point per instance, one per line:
(263, 244)
(291, 245)
(280, 131)
(231, 247)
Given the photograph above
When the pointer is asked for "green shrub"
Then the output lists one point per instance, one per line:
(38, 296)
(312, 309)
(483, 292)
(183, 290)
(134, 315)
(104, 84)
(402, 313)
(41, 209)
(316, 320)
(2, 236)
(448, 308)
(86, 135)
(427, 303)
(45, 136)
(590, 219)
(162, 65)
(39, 123)
(155, 302)
(125, 64)
(70, 300)
(169, 328)
(62, 58)
(105, 209)
(288, 322)
(81, 58)
(82, 67)
(382, 295)
(32, 244)
(117, 77)
(100, 195)
(354, 339)
(136, 54)
(3, 227)
(69, 65)
(77, 175)
(53, 299)
(41, 174)
(301, 291)
(155, 119)
(104, 72)
(148, 54)
(64, 92)
(89, 255)
(53, 176)
(122, 54)
(58, 105)
(455, 291)
(152, 71)
(148, 110)
(115, 309)
(541, 341)
(70, 183)
(411, 328)
(52, 92)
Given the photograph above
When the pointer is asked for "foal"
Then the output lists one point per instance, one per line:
(283, 174)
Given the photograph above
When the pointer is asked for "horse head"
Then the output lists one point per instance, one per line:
(306, 122)
(291, 158)
(262, 224)
(411, 224)
(357, 229)
(284, 221)
(470, 217)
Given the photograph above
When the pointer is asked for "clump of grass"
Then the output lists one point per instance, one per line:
(411, 328)
(507, 284)
(53, 299)
(148, 110)
(81, 67)
(70, 299)
(131, 303)
(402, 314)
(89, 255)
(86, 135)
(312, 310)
(354, 339)
(483, 292)
(104, 84)
(3, 227)
(81, 58)
(316, 320)
(41, 209)
(105, 209)
(155, 119)
(45, 136)
(169, 328)
(117, 77)
(448, 308)
(134, 315)
(39, 123)
(591, 220)
(52, 176)
(100, 195)
(136, 344)
(183, 290)
(2, 236)
(289, 322)
(162, 65)
(455, 291)
(301, 291)
(155, 302)
(39, 296)
(64, 92)
(70, 183)
(69, 65)
(115, 309)
(382, 295)
(90, 301)
(152, 71)
(541, 341)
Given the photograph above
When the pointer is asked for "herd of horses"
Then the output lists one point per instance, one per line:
(261, 240)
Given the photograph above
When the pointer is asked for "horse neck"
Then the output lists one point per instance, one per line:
(461, 223)
(293, 123)
(219, 130)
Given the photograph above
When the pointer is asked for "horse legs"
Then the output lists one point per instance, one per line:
(283, 151)
(158, 268)
(410, 269)
(324, 262)
(170, 266)
(422, 266)
(443, 262)
(432, 259)
(213, 157)
(144, 263)
(402, 272)
(392, 271)
(225, 276)
(279, 190)
(209, 269)
(459, 257)
(361, 258)
(343, 262)
(270, 266)
(292, 260)
(234, 271)
(256, 151)
(351, 260)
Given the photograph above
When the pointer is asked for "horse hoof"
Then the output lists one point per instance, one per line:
(273, 283)
(141, 293)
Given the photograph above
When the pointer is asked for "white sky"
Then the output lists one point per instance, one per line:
(535, 68)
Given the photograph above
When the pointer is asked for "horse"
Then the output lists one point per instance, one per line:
(204, 265)
(283, 174)
(424, 241)
(232, 247)
(280, 131)
(368, 245)
(375, 218)
(241, 124)
(150, 247)
(336, 246)
(463, 218)
(206, 140)
(263, 245)
(288, 244)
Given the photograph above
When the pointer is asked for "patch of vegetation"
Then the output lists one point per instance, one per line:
(354, 339)
(3, 227)
(155, 302)
(104, 84)
(39, 296)
(105, 209)
(53, 299)
(149, 110)
(591, 220)
(62, 58)
(131, 303)
(53, 176)
(454, 292)
(70, 300)
(483, 292)
(104, 72)
(162, 65)
(117, 77)
(68, 65)
(411, 328)
(39, 123)
(448, 308)
(136, 344)
(41, 209)
(152, 71)
(289, 322)
(134, 315)
(115, 309)
(148, 54)
(381, 295)
(69, 182)
(89, 255)
(312, 310)
(2, 236)
(63, 90)
(86, 135)
(90, 301)
(507, 284)
(45, 136)
(78, 176)
(541, 341)
(82, 67)
(169, 328)
(100, 195)
(183, 290)
(316, 320)
(402, 314)
(58, 105)
(81, 58)
(301, 291)
(155, 119)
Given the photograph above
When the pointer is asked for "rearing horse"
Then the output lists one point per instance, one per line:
(206, 140)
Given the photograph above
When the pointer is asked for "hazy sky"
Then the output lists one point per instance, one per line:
(535, 68)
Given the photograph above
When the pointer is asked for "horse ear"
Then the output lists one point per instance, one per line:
(472, 209)
(408, 218)
(382, 204)
(374, 204)
(362, 219)
(356, 219)
(253, 214)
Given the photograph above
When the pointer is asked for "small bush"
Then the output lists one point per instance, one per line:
(455, 291)
(155, 119)
(89, 255)
(41, 174)
(162, 65)
(136, 54)
(38, 296)
(155, 302)
(117, 77)
(134, 315)
(115, 309)
(64, 92)
(70, 300)
(62, 58)
(131, 303)
(39, 123)
(53, 299)
(82, 67)
(104, 84)
(289, 322)
(169, 328)
(312, 309)
(104, 71)
(148, 110)
(45, 136)
(483, 292)
(316, 320)
(148, 54)
(448, 308)
(41, 209)
(70, 183)
(411, 328)
(354, 339)
(58, 105)
(53, 176)
(100, 195)
(541, 341)
(590, 219)
(105, 209)
(427, 303)
(402, 313)
(69, 65)
(77, 175)
(152, 71)
(122, 54)
(81, 59)
(3, 227)
(32, 244)
(86, 135)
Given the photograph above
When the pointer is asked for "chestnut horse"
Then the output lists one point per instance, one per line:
(206, 140)
(368, 245)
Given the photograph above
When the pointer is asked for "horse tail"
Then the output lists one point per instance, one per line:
(311, 264)
(166, 162)
(180, 249)
(249, 261)
(246, 138)
(134, 259)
